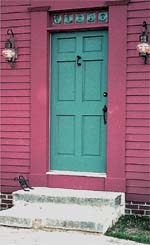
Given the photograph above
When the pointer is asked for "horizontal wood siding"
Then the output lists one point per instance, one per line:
(138, 108)
(15, 110)
(15, 96)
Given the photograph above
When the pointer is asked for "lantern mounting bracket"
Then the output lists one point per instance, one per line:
(145, 25)
(10, 33)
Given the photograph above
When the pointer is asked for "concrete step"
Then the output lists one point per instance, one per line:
(93, 211)
(60, 216)
(68, 196)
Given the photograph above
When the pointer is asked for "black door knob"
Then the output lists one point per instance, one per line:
(105, 94)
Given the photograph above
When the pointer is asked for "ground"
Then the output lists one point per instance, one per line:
(14, 236)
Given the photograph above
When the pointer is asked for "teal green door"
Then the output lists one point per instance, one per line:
(78, 81)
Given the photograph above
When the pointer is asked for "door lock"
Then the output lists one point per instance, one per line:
(78, 60)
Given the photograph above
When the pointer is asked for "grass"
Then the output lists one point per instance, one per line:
(133, 228)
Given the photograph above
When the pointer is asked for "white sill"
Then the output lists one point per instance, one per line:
(83, 174)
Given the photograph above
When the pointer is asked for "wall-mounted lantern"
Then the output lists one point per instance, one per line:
(144, 46)
(10, 51)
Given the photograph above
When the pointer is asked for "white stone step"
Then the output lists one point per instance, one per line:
(60, 216)
(93, 211)
(68, 196)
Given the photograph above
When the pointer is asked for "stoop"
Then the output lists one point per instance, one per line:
(53, 208)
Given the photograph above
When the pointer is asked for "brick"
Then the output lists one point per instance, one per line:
(145, 207)
(142, 203)
(10, 206)
(141, 212)
(147, 213)
(3, 196)
(127, 211)
(9, 197)
(6, 201)
(132, 206)
(128, 203)
(3, 205)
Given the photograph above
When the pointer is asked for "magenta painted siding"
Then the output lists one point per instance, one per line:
(138, 108)
(19, 129)
(15, 96)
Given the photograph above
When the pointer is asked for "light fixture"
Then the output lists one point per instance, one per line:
(144, 47)
(10, 51)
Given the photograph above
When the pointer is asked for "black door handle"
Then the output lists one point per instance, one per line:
(78, 60)
(105, 114)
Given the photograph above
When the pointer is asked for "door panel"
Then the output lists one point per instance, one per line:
(78, 132)
(91, 127)
(66, 81)
(91, 90)
(66, 135)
